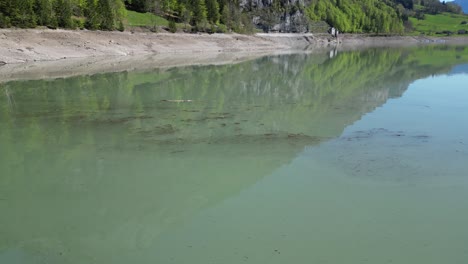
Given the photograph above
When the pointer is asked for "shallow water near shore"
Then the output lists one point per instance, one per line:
(344, 157)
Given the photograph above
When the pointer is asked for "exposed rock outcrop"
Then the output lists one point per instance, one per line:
(289, 16)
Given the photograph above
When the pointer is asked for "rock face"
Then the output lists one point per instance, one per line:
(289, 17)
(268, 3)
(296, 22)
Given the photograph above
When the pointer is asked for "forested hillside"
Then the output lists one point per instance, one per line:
(244, 16)
(92, 14)
(358, 16)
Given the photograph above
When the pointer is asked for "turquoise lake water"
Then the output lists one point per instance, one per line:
(342, 157)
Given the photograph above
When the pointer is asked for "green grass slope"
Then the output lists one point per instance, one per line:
(432, 24)
(136, 19)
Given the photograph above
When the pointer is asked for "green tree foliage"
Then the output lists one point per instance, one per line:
(97, 14)
(106, 15)
(92, 18)
(63, 11)
(18, 13)
(172, 26)
(231, 16)
(434, 7)
(378, 16)
(43, 11)
(269, 17)
(169, 7)
(212, 11)
(357, 16)
(199, 11)
(185, 15)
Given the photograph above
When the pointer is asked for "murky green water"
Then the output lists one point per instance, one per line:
(358, 157)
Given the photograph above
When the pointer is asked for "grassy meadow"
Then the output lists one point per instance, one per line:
(432, 24)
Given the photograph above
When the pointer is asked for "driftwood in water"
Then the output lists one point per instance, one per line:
(177, 101)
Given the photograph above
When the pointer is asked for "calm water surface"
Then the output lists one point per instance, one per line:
(348, 157)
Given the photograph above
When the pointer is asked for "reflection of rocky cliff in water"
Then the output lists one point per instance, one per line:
(91, 165)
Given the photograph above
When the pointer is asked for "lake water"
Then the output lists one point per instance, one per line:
(344, 157)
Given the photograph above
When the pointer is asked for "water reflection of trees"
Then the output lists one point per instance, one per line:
(106, 163)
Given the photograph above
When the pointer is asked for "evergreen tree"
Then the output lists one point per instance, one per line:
(19, 13)
(198, 11)
(63, 12)
(225, 17)
(92, 17)
(105, 14)
(172, 26)
(5, 10)
(212, 11)
(169, 7)
(185, 15)
(121, 27)
(43, 10)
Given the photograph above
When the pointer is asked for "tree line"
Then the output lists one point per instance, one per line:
(358, 16)
(354, 16)
(202, 15)
(91, 14)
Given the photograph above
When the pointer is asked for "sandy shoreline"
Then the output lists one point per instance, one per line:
(42, 53)
(19, 46)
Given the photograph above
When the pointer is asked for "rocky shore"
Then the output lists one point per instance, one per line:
(43, 53)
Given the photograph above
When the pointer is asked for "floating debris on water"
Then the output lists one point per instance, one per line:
(177, 101)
